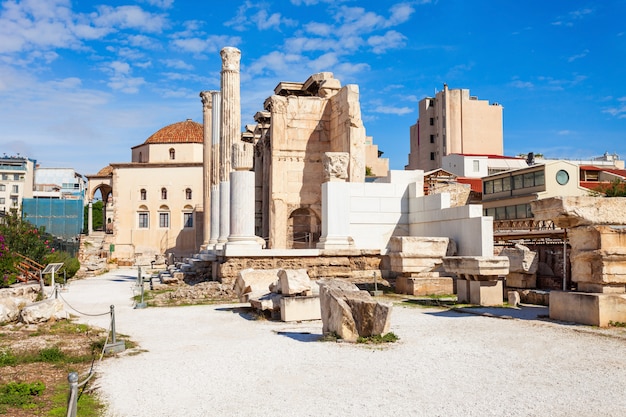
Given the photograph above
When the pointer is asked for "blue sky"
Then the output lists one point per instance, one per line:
(83, 82)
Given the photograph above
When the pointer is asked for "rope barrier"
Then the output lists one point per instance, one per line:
(79, 312)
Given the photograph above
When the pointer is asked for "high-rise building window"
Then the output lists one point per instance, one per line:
(432, 156)
(432, 138)
(142, 194)
(163, 193)
(432, 121)
(3, 187)
(15, 189)
(188, 193)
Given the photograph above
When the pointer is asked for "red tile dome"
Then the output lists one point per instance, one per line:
(181, 132)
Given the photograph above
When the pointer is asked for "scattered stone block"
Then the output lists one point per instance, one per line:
(43, 311)
(294, 281)
(300, 308)
(254, 283)
(350, 312)
(587, 308)
(513, 298)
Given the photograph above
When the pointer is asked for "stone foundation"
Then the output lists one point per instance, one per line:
(355, 266)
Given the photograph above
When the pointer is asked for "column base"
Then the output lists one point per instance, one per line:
(335, 242)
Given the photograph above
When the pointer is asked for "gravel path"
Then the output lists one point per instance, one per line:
(213, 361)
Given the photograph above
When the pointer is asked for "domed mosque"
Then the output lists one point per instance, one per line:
(154, 204)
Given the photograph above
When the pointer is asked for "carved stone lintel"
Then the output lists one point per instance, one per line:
(243, 156)
(335, 166)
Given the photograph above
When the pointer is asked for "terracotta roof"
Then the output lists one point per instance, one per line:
(104, 172)
(476, 184)
(181, 132)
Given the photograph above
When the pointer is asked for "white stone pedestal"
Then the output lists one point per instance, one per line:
(335, 223)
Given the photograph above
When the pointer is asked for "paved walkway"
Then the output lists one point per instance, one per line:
(214, 361)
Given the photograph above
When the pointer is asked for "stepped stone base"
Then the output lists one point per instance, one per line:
(588, 308)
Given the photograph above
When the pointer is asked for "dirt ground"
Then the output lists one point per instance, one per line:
(73, 340)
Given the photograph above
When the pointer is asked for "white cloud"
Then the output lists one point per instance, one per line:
(569, 19)
(618, 110)
(564, 132)
(129, 17)
(163, 4)
(390, 40)
(212, 43)
(177, 64)
(399, 111)
(522, 84)
(262, 19)
(578, 56)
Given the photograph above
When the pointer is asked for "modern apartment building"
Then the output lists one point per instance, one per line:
(453, 122)
(16, 181)
(507, 195)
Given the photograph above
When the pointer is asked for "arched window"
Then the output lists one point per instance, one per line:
(142, 194)
(163, 193)
(188, 216)
(188, 193)
(143, 218)
(164, 217)
(172, 154)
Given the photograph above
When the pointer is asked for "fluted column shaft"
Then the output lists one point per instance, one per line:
(230, 130)
(215, 167)
(207, 123)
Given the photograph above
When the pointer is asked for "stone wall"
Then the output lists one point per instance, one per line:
(358, 267)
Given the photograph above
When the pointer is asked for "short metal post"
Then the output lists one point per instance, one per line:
(112, 324)
(114, 346)
(139, 279)
(72, 401)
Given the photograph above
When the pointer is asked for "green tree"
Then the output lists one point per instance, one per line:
(21, 237)
(616, 189)
(97, 210)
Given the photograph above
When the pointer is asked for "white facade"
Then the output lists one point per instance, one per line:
(16, 182)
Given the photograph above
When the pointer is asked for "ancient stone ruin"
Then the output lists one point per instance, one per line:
(349, 312)
(596, 228)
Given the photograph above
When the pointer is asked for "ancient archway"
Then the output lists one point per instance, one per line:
(303, 229)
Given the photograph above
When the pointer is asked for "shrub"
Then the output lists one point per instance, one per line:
(20, 393)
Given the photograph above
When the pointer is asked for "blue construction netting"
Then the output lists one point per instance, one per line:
(61, 218)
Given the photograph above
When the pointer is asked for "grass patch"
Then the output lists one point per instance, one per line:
(329, 337)
(617, 323)
(20, 395)
(379, 339)
(88, 404)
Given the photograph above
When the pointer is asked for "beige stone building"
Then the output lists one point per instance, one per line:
(301, 122)
(453, 122)
(155, 202)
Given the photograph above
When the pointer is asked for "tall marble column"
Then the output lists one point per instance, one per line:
(215, 168)
(242, 198)
(207, 123)
(230, 131)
